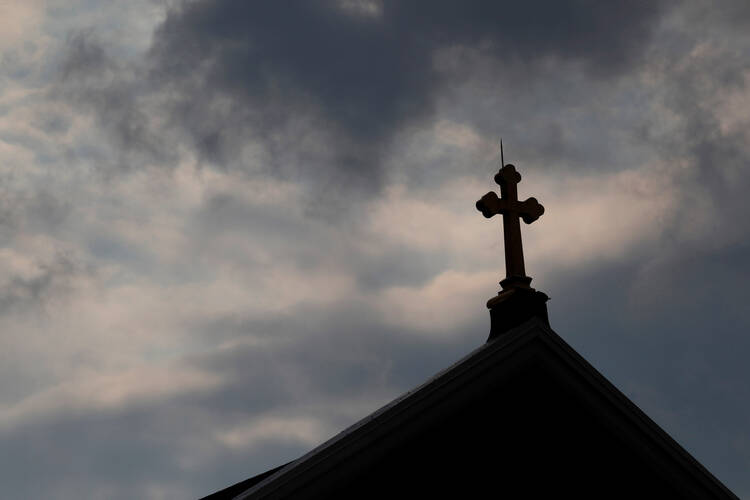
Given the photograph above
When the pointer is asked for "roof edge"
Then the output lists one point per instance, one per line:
(350, 440)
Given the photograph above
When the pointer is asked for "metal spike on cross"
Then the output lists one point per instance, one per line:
(512, 210)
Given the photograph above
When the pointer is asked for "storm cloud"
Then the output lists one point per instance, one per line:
(230, 229)
(320, 90)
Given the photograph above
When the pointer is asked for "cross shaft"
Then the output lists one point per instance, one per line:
(511, 209)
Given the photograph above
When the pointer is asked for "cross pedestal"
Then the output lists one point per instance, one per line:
(513, 307)
(517, 301)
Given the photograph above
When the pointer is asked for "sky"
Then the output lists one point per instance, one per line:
(228, 230)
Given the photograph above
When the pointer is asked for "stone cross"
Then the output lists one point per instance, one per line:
(511, 210)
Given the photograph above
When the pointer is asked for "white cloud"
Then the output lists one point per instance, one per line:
(90, 391)
(295, 429)
(442, 220)
(19, 21)
(588, 217)
(600, 216)
(731, 108)
(365, 8)
(440, 307)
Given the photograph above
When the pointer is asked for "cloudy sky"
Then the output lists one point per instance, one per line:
(230, 229)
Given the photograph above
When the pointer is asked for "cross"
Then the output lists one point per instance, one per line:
(511, 210)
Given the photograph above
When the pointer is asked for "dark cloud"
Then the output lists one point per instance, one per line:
(399, 267)
(31, 284)
(92, 80)
(323, 87)
(321, 94)
(363, 77)
(697, 82)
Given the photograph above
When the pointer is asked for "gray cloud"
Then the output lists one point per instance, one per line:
(32, 291)
(337, 103)
(323, 89)
(92, 80)
(173, 445)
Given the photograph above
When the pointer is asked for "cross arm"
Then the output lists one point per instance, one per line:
(491, 205)
(529, 210)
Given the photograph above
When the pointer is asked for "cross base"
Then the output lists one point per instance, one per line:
(516, 282)
(513, 307)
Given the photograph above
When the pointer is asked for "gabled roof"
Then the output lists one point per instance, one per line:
(487, 373)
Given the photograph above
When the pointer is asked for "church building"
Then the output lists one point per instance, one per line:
(522, 416)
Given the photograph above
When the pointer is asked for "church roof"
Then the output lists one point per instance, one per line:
(507, 361)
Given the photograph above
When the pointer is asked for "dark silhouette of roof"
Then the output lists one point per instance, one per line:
(522, 414)
(236, 489)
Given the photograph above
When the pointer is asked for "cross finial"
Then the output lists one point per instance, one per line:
(511, 210)
(517, 302)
